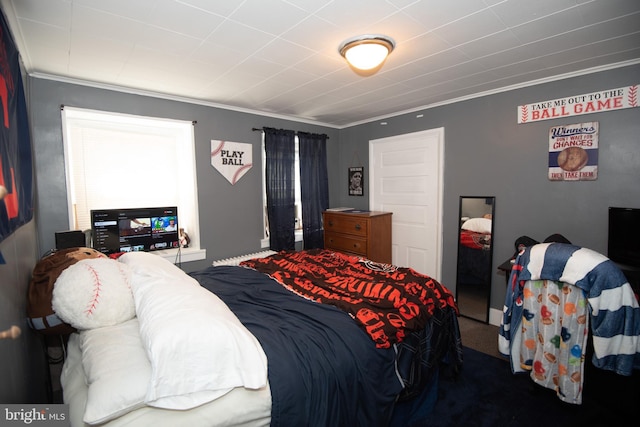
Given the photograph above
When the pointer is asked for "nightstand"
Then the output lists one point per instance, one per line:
(507, 266)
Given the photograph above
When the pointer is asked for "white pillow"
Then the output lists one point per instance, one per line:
(117, 371)
(73, 380)
(197, 347)
(479, 225)
(146, 263)
(93, 293)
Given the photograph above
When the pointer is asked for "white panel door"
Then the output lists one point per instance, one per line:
(406, 179)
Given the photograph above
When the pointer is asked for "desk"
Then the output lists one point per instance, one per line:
(506, 267)
(632, 273)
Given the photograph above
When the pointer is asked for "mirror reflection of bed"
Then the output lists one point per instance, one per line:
(475, 255)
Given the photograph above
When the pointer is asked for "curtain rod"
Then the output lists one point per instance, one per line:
(261, 130)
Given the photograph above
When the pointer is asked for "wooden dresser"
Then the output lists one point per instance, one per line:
(366, 234)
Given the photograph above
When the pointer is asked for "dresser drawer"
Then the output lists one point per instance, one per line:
(348, 225)
(345, 243)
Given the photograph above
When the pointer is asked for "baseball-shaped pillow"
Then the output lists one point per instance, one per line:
(94, 293)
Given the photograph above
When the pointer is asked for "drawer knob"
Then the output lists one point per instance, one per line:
(330, 223)
(358, 227)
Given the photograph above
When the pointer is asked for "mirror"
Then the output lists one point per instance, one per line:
(475, 256)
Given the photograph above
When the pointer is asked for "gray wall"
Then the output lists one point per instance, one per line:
(230, 215)
(24, 373)
(23, 367)
(488, 154)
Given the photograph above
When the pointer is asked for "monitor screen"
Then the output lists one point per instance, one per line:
(624, 236)
(140, 229)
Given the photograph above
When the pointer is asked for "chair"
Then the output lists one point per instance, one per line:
(557, 295)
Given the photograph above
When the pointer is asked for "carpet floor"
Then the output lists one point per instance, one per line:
(487, 394)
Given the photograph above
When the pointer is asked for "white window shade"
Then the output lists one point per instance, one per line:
(116, 161)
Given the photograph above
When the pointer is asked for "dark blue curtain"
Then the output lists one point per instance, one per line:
(280, 154)
(314, 187)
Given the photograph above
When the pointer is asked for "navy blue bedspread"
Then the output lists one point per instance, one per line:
(324, 370)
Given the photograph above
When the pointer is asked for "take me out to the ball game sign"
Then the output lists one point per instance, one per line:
(595, 102)
(231, 159)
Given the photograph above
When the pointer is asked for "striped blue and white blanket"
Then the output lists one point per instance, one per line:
(614, 310)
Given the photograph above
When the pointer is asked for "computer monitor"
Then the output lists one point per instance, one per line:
(138, 229)
(624, 236)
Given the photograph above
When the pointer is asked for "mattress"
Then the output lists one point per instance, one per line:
(240, 407)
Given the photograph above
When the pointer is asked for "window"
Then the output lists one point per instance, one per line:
(298, 202)
(116, 161)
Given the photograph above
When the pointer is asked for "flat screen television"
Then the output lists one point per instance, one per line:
(140, 229)
(624, 236)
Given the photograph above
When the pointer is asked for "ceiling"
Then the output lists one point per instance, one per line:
(280, 57)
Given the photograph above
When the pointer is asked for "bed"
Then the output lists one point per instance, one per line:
(294, 338)
(474, 254)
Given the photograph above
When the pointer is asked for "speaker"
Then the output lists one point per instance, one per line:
(70, 239)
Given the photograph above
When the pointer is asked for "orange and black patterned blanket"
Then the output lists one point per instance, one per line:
(387, 301)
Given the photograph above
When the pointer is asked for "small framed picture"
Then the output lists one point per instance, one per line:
(356, 181)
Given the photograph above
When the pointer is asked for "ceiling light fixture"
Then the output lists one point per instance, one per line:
(367, 52)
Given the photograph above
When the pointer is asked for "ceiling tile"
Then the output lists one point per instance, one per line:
(355, 15)
(471, 27)
(489, 45)
(58, 12)
(104, 25)
(434, 14)
(220, 8)
(171, 43)
(312, 33)
(171, 15)
(41, 35)
(603, 10)
(231, 35)
(284, 52)
(271, 16)
(517, 13)
(137, 11)
(552, 25)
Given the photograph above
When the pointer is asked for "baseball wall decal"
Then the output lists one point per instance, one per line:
(231, 159)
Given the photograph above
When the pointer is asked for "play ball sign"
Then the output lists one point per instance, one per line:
(231, 159)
